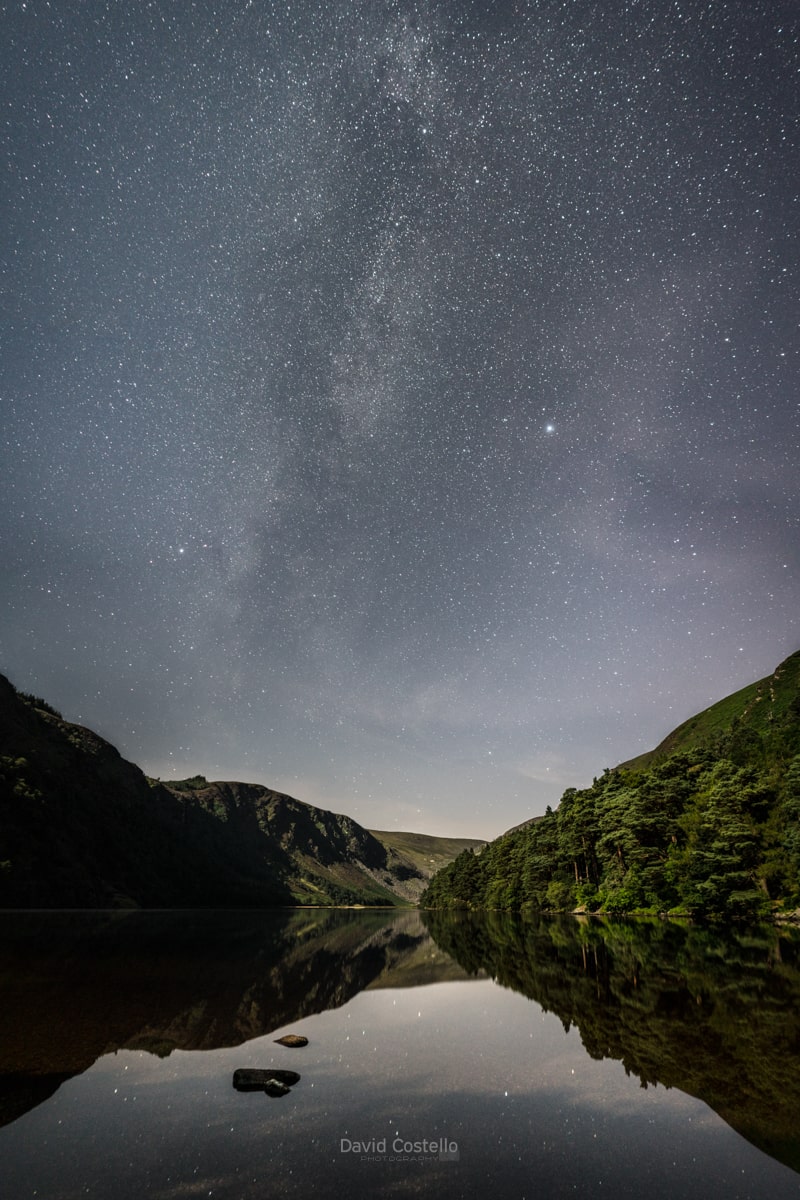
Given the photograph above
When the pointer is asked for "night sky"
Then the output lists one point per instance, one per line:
(400, 401)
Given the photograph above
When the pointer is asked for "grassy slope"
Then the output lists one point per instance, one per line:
(309, 886)
(425, 852)
(754, 707)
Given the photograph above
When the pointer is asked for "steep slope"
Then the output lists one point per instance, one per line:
(81, 827)
(332, 858)
(707, 824)
(765, 709)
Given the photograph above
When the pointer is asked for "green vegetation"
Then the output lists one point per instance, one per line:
(13, 775)
(755, 712)
(711, 829)
(427, 853)
(38, 702)
(712, 1010)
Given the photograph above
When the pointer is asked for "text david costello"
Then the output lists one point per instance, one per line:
(441, 1148)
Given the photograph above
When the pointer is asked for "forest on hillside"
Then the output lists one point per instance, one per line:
(710, 832)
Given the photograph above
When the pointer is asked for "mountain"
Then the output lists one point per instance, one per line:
(707, 824)
(80, 827)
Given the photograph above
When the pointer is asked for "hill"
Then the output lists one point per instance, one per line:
(426, 853)
(80, 827)
(746, 717)
(707, 824)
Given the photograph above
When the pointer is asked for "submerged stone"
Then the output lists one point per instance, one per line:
(274, 1082)
(276, 1089)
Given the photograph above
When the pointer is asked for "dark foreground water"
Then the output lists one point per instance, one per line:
(447, 1056)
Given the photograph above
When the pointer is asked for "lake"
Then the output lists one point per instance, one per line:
(447, 1055)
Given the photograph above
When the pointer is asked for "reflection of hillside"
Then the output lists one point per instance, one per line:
(713, 1014)
(419, 965)
(75, 986)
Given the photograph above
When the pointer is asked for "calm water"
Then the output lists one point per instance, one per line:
(446, 1056)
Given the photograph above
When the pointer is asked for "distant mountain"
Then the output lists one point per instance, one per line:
(707, 824)
(81, 827)
(427, 854)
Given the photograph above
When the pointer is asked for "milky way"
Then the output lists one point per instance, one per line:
(399, 400)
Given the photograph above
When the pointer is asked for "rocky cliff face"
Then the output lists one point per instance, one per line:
(80, 827)
(330, 855)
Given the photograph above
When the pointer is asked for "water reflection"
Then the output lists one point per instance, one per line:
(713, 1012)
(75, 986)
(133, 1028)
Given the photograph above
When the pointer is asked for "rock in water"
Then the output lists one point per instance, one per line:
(273, 1082)
(292, 1039)
(275, 1089)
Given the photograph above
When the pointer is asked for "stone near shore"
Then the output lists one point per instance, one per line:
(292, 1039)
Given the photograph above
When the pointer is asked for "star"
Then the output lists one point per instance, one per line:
(289, 311)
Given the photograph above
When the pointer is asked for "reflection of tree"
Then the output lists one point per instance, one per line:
(714, 1014)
